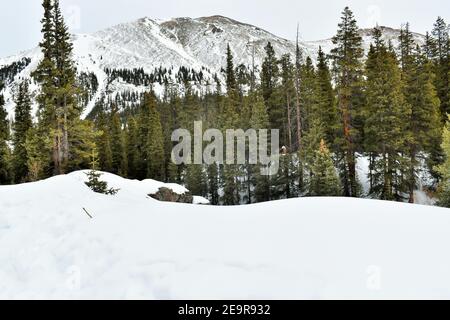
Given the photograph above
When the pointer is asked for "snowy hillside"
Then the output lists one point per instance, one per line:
(198, 44)
(136, 247)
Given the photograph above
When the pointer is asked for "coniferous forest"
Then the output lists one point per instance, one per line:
(390, 107)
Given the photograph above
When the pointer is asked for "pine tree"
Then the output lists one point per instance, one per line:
(386, 130)
(196, 180)
(154, 148)
(270, 74)
(347, 69)
(260, 120)
(58, 110)
(94, 183)
(325, 110)
(287, 80)
(118, 151)
(22, 124)
(5, 172)
(324, 179)
(103, 142)
(132, 147)
(230, 74)
(309, 95)
(444, 169)
(425, 125)
(213, 184)
(442, 65)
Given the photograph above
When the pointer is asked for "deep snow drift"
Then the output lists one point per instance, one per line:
(136, 247)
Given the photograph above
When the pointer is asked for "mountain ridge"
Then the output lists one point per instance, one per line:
(196, 44)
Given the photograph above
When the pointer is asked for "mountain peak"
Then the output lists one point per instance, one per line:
(195, 45)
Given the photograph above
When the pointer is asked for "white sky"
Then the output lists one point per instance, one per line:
(20, 27)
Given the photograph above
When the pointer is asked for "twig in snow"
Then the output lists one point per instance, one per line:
(87, 213)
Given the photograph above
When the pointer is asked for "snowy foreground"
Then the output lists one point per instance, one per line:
(136, 247)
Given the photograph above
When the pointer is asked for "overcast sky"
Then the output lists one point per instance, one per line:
(19, 19)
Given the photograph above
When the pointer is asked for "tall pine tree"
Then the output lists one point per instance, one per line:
(22, 124)
(347, 69)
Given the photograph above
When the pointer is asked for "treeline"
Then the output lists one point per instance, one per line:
(162, 76)
(7, 73)
(390, 107)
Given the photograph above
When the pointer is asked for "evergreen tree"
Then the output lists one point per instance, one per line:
(442, 65)
(260, 120)
(58, 110)
(386, 130)
(326, 111)
(213, 184)
(5, 172)
(347, 69)
(287, 79)
(444, 169)
(37, 146)
(103, 142)
(230, 73)
(196, 180)
(324, 179)
(270, 90)
(22, 124)
(118, 151)
(309, 95)
(132, 147)
(425, 126)
(154, 149)
(94, 183)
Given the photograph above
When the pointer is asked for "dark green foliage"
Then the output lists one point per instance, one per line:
(324, 181)
(118, 151)
(5, 171)
(386, 130)
(22, 124)
(347, 71)
(95, 184)
(444, 169)
(441, 59)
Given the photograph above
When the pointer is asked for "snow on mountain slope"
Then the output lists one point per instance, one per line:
(198, 44)
(136, 247)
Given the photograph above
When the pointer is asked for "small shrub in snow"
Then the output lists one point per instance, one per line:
(98, 186)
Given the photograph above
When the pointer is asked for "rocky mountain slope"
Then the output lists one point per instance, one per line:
(164, 52)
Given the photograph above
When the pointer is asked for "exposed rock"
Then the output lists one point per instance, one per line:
(168, 195)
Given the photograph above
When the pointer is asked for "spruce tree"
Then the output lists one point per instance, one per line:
(213, 183)
(442, 65)
(425, 125)
(5, 172)
(132, 147)
(22, 124)
(196, 180)
(347, 71)
(260, 120)
(58, 111)
(154, 148)
(270, 74)
(324, 180)
(325, 107)
(230, 73)
(103, 143)
(386, 130)
(288, 88)
(444, 169)
(118, 151)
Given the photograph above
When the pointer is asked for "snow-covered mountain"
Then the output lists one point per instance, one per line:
(197, 44)
(137, 247)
